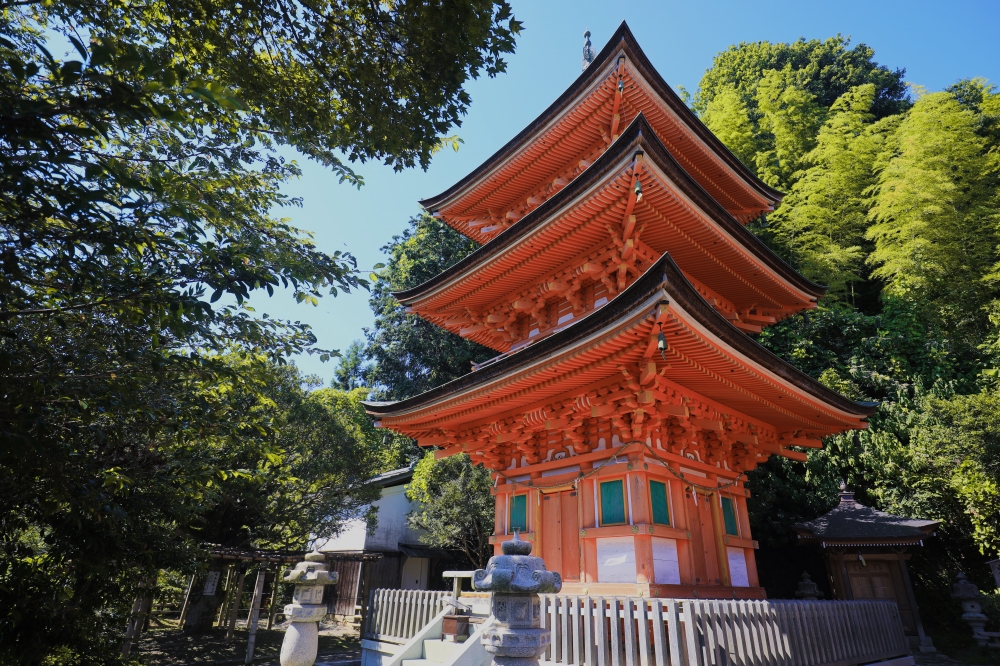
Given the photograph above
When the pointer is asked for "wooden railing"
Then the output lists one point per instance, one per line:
(592, 631)
(395, 616)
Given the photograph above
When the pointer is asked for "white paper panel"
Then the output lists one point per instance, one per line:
(738, 567)
(616, 560)
(665, 568)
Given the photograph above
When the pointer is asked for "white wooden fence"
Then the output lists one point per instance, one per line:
(592, 631)
(395, 616)
(632, 631)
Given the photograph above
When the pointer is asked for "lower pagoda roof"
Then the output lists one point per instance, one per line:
(707, 356)
(853, 524)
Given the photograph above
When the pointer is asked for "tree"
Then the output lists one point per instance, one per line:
(350, 371)
(456, 507)
(138, 180)
(821, 224)
(300, 465)
(935, 212)
(410, 355)
(829, 67)
(777, 95)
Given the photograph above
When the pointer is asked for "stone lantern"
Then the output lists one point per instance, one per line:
(515, 579)
(306, 610)
(972, 610)
(808, 590)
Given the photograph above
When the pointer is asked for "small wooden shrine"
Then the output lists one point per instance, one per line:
(618, 285)
(866, 553)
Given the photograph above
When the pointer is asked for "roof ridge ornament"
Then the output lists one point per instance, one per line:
(588, 51)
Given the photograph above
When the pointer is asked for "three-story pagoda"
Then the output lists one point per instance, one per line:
(618, 284)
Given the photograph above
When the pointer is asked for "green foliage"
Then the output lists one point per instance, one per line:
(141, 408)
(456, 506)
(766, 101)
(936, 225)
(298, 468)
(728, 117)
(821, 224)
(829, 69)
(410, 355)
(379, 81)
(349, 374)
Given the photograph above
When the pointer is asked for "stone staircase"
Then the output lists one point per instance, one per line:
(436, 651)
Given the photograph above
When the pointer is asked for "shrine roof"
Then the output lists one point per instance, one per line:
(710, 346)
(855, 523)
(540, 145)
(740, 256)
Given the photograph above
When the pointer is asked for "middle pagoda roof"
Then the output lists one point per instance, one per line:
(597, 235)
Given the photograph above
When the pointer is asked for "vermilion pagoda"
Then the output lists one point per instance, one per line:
(618, 283)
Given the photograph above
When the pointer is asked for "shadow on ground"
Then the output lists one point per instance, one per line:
(165, 646)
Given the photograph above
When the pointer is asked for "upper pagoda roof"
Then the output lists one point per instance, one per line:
(708, 356)
(851, 523)
(675, 212)
(579, 121)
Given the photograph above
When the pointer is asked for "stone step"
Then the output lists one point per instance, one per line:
(440, 651)
(420, 662)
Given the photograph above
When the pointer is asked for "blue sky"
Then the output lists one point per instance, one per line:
(936, 42)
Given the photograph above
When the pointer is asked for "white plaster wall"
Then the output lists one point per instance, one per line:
(391, 530)
(666, 569)
(616, 560)
(738, 576)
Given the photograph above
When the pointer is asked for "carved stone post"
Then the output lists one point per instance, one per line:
(306, 610)
(515, 579)
(972, 611)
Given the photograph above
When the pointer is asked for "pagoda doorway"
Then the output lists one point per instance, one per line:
(560, 527)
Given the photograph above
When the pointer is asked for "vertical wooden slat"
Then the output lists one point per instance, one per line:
(734, 624)
(713, 641)
(566, 656)
(660, 654)
(771, 627)
(755, 633)
(746, 640)
(577, 656)
(616, 632)
(395, 602)
(708, 631)
(642, 627)
(804, 640)
(554, 626)
(387, 618)
(674, 634)
(603, 658)
(691, 637)
(543, 613)
(589, 638)
(628, 624)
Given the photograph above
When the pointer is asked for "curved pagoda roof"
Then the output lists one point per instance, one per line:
(570, 134)
(675, 212)
(707, 356)
(853, 524)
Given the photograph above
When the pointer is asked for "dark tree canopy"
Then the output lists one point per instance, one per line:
(828, 69)
(409, 355)
(140, 186)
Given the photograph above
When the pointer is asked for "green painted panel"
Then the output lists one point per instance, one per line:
(658, 497)
(519, 513)
(729, 516)
(612, 502)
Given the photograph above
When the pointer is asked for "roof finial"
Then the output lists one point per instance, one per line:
(588, 50)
